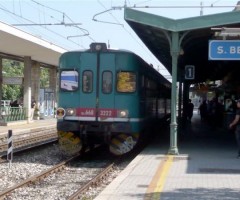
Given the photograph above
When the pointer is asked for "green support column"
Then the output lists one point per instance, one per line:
(173, 150)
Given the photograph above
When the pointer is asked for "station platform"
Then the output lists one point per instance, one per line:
(24, 127)
(206, 168)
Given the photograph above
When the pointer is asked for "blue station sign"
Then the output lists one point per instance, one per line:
(224, 50)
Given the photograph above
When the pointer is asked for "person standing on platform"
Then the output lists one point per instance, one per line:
(190, 108)
(236, 122)
(203, 110)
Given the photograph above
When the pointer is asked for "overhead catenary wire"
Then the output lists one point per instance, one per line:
(215, 2)
(85, 32)
(106, 10)
(20, 8)
(134, 38)
(23, 18)
(48, 24)
(43, 25)
(201, 6)
(180, 7)
(143, 2)
(111, 13)
(43, 12)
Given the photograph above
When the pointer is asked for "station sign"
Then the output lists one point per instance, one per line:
(189, 72)
(224, 50)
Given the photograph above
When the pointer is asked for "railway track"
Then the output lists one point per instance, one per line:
(36, 178)
(93, 182)
(23, 143)
(102, 173)
(31, 182)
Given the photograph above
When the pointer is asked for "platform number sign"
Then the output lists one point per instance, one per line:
(189, 72)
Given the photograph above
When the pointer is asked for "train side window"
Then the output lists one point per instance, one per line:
(126, 82)
(107, 79)
(142, 81)
(69, 80)
(87, 81)
(151, 84)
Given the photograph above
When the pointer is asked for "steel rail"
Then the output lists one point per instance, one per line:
(92, 182)
(22, 142)
(38, 177)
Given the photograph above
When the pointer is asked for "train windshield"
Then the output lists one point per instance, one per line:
(69, 80)
(126, 82)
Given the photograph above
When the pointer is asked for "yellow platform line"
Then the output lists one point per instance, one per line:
(156, 186)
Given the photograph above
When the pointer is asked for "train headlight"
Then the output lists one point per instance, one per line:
(60, 113)
(122, 113)
(71, 112)
(98, 47)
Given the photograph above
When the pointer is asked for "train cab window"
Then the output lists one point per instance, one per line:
(69, 80)
(107, 82)
(126, 82)
(87, 81)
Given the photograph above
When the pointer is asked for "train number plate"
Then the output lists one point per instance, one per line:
(86, 112)
(107, 113)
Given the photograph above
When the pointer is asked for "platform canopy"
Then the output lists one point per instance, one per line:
(16, 43)
(194, 35)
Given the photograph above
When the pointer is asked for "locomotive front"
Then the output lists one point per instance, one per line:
(98, 100)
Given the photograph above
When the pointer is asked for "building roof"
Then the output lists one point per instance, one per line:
(17, 43)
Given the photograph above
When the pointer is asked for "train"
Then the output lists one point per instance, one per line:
(108, 96)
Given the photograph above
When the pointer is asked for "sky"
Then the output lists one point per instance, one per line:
(72, 25)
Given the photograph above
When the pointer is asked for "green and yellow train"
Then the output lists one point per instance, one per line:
(109, 97)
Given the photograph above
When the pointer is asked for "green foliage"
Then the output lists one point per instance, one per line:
(15, 69)
(44, 78)
(12, 92)
(12, 69)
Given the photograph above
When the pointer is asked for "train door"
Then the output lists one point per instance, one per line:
(106, 103)
(97, 99)
(88, 77)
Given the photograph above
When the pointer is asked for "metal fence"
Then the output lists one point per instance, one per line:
(8, 114)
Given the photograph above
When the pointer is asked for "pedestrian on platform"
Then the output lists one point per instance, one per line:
(236, 122)
(203, 110)
(190, 108)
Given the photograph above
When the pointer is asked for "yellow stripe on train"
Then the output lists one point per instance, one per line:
(122, 143)
(69, 143)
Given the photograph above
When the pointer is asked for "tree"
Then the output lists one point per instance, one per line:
(15, 69)
(12, 69)
(44, 78)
